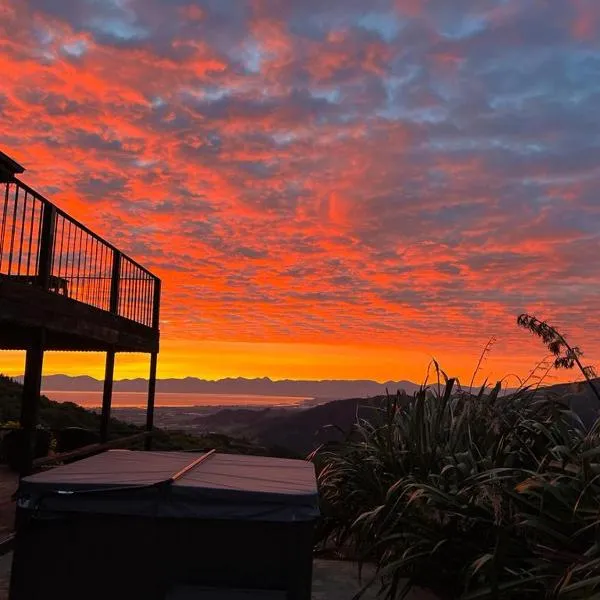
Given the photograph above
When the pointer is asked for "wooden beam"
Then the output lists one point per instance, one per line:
(109, 372)
(32, 384)
(88, 450)
(70, 325)
(151, 395)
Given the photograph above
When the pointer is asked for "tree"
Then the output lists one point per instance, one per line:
(565, 355)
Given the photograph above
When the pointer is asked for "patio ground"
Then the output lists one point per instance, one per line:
(332, 580)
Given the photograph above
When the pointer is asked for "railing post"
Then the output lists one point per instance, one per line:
(46, 246)
(151, 394)
(115, 282)
(156, 304)
(109, 370)
(109, 373)
(153, 366)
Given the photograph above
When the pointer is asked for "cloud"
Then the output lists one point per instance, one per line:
(303, 171)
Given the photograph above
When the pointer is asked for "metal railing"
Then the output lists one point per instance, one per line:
(42, 245)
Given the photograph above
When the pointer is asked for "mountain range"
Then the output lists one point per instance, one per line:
(261, 386)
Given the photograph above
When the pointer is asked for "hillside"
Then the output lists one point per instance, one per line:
(58, 415)
(238, 419)
(297, 430)
(303, 430)
(275, 431)
(55, 415)
(579, 398)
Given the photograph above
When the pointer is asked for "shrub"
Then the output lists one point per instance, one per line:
(470, 495)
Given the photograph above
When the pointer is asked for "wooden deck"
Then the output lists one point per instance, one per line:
(59, 276)
(69, 324)
(63, 287)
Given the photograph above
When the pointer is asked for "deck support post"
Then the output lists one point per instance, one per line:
(109, 372)
(32, 385)
(151, 394)
(153, 362)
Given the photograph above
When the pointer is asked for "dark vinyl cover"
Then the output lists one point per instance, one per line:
(223, 486)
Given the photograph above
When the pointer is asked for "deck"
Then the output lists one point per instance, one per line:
(57, 274)
(65, 288)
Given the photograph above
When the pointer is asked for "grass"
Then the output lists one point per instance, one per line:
(471, 495)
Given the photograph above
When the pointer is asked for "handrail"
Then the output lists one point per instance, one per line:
(62, 213)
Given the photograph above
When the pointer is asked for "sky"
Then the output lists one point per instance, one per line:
(328, 189)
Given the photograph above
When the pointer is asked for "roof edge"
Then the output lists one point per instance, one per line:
(9, 167)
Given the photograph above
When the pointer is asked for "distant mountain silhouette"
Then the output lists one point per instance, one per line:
(263, 386)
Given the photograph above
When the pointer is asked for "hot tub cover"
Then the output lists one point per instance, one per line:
(223, 486)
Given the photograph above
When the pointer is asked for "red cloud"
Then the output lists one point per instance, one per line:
(295, 176)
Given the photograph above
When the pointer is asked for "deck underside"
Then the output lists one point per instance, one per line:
(70, 325)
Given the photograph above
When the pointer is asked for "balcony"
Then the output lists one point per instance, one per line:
(65, 288)
(58, 274)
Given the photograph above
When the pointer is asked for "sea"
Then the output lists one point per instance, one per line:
(170, 399)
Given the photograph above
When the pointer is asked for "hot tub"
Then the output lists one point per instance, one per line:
(130, 525)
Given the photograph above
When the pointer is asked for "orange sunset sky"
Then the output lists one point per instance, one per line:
(328, 189)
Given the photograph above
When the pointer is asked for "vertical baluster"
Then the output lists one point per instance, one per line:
(12, 235)
(141, 296)
(131, 292)
(59, 275)
(149, 302)
(78, 276)
(22, 232)
(30, 250)
(40, 209)
(4, 224)
(106, 279)
(123, 292)
(126, 291)
(136, 295)
(86, 279)
(72, 234)
(96, 274)
(145, 298)
(101, 278)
